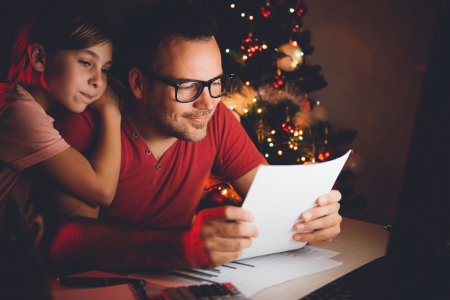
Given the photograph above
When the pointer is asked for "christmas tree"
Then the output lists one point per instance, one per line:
(264, 44)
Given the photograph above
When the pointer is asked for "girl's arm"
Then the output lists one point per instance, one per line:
(96, 181)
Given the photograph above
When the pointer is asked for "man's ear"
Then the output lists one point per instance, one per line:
(137, 83)
(37, 56)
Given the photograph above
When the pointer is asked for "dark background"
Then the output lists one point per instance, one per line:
(373, 55)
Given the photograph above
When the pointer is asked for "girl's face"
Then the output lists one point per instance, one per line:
(76, 78)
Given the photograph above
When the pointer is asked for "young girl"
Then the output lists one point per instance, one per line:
(59, 59)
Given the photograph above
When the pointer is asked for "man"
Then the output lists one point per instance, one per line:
(175, 132)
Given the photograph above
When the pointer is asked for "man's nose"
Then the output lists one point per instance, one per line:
(205, 101)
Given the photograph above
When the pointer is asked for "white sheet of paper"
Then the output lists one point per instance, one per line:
(279, 195)
(254, 274)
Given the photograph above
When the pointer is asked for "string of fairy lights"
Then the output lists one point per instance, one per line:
(290, 139)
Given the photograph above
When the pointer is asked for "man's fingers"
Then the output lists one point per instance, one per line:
(237, 230)
(324, 222)
(228, 244)
(320, 211)
(322, 235)
(229, 213)
(331, 197)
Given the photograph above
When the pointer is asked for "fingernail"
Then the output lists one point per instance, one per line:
(297, 237)
(323, 201)
(252, 217)
(300, 227)
(307, 216)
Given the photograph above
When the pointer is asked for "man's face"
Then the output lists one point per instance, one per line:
(180, 60)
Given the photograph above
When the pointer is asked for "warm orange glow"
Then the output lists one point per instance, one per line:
(250, 17)
(224, 192)
(247, 83)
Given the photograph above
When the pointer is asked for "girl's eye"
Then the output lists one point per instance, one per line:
(85, 63)
(105, 71)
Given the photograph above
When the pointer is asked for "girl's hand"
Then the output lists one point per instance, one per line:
(113, 97)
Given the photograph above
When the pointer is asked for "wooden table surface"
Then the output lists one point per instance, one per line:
(358, 243)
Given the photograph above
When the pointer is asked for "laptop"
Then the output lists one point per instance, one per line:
(417, 263)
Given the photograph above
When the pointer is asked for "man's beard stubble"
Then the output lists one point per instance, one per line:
(162, 119)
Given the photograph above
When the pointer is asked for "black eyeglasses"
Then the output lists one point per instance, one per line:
(189, 90)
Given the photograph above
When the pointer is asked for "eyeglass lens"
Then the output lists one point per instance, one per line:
(190, 90)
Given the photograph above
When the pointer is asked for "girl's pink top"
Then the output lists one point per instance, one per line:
(27, 135)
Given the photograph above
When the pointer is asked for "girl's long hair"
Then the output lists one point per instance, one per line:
(56, 29)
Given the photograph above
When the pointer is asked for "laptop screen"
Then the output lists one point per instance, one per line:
(419, 247)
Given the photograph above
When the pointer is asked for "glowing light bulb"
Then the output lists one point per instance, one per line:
(296, 133)
(231, 107)
(250, 17)
(227, 50)
(233, 6)
(247, 83)
(303, 159)
(271, 144)
(243, 15)
(244, 57)
(294, 43)
(280, 152)
(294, 64)
(264, 46)
(300, 132)
(292, 130)
(301, 53)
(295, 147)
(246, 110)
(272, 132)
(259, 110)
(234, 106)
(301, 138)
(254, 99)
(267, 155)
(291, 146)
(269, 139)
(224, 192)
(291, 10)
(276, 49)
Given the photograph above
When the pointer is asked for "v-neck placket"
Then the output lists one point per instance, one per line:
(157, 169)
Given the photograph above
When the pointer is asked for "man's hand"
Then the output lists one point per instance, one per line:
(324, 220)
(215, 238)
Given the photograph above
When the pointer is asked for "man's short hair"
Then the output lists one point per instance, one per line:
(143, 36)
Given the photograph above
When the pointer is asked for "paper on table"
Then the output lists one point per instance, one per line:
(254, 274)
(279, 195)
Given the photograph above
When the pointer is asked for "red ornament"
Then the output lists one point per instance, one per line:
(300, 8)
(288, 126)
(251, 47)
(324, 156)
(266, 11)
(279, 81)
(307, 105)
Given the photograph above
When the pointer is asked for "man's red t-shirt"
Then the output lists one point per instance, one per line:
(166, 194)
